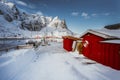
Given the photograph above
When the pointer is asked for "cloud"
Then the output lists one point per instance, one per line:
(85, 15)
(31, 6)
(94, 15)
(75, 13)
(39, 13)
(21, 3)
(23, 10)
(100, 14)
(106, 14)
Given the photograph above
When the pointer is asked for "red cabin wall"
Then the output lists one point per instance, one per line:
(104, 53)
(110, 55)
(67, 44)
(93, 48)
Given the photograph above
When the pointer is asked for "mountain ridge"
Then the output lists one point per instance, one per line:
(25, 23)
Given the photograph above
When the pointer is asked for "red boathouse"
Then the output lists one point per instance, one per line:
(68, 42)
(102, 46)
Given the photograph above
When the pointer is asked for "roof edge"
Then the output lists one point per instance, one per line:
(103, 35)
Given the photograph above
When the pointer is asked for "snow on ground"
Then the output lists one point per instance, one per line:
(52, 63)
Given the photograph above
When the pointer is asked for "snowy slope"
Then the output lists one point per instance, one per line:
(11, 29)
(52, 31)
(13, 22)
(52, 63)
(7, 29)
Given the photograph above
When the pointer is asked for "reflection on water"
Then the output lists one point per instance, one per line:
(4, 43)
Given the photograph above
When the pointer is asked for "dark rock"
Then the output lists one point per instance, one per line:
(8, 17)
(1, 13)
(113, 27)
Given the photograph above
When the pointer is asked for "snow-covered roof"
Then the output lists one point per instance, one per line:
(111, 41)
(105, 33)
(72, 38)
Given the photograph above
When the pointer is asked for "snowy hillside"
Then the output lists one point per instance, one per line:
(52, 63)
(14, 22)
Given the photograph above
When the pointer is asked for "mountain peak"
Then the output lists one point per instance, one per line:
(56, 18)
(10, 4)
(32, 22)
(57, 23)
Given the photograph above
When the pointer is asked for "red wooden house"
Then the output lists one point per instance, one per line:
(102, 46)
(68, 42)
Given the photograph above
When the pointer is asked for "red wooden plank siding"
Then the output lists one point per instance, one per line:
(67, 44)
(104, 53)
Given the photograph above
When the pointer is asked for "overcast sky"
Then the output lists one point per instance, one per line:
(80, 15)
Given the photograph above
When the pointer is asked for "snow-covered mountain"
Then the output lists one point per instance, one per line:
(14, 22)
